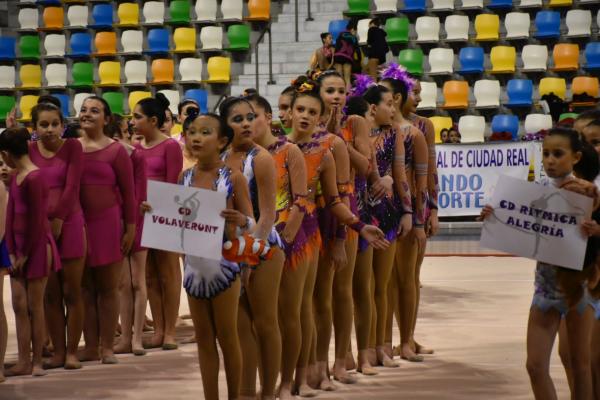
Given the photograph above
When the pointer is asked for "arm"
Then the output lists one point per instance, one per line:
(3, 210)
(70, 193)
(342, 168)
(359, 151)
(124, 172)
(10, 215)
(240, 201)
(139, 176)
(173, 160)
(264, 173)
(432, 177)
(298, 182)
(421, 157)
(36, 194)
(330, 191)
(399, 173)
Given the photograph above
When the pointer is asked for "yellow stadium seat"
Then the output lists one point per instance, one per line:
(566, 57)
(219, 70)
(185, 40)
(31, 76)
(558, 86)
(25, 105)
(135, 97)
(109, 73)
(487, 27)
(163, 70)
(440, 123)
(106, 43)
(560, 3)
(129, 14)
(53, 18)
(503, 59)
(456, 94)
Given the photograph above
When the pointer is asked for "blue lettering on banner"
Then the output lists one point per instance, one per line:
(461, 191)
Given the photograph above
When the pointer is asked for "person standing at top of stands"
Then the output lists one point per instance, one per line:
(377, 47)
(322, 58)
(345, 46)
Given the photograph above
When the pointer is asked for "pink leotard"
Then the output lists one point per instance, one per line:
(164, 161)
(108, 201)
(141, 187)
(63, 176)
(27, 227)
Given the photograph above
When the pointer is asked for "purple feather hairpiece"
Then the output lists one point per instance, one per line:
(398, 72)
(362, 82)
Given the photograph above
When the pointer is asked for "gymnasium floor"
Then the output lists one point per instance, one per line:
(473, 313)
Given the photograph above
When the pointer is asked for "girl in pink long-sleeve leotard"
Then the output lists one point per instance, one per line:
(163, 274)
(108, 202)
(62, 162)
(32, 249)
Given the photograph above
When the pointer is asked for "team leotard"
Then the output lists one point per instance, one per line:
(140, 183)
(27, 227)
(108, 201)
(63, 176)
(164, 161)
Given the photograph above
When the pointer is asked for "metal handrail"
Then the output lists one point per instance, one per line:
(296, 17)
(271, 81)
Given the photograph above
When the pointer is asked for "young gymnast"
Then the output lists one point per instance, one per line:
(108, 202)
(164, 162)
(4, 260)
(62, 161)
(284, 105)
(258, 305)
(32, 249)
(553, 299)
(169, 123)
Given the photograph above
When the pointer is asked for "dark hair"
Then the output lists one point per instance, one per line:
(184, 103)
(15, 141)
(301, 85)
(374, 95)
(288, 91)
(321, 76)
(324, 36)
(356, 105)
(351, 25)
(261, 102)
(589, 114)
(225, 109)
(72, 131)
(224, 130)
(375, 21)
(155, 107)
(588, 167)
(398, 87)
(41, 107)
(49, 99)
(593, 123)
(250, 91)
(189, 119)
(113, 129)
(107, 112)
(572, 135)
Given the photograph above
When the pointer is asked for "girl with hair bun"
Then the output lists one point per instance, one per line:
(164, 162)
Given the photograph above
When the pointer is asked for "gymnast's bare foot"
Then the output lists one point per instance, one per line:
(20, 369)
(364, 366)
(303, 390)
(372, 356)
(285, 392)
(340, 374)
(122, 347)
(72, 362)
(38, 370)
(421, 349)
(388, 348)
(56, 361)
(89, 355)
(350, 363)
(406, 353)
(153, 342)
(323, 381)
(384, 360)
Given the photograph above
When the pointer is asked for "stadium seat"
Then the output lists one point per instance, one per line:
(201, 97)
(519, 92)
(397, 29)
(566, 57)
(7, 103)
(457, 28)
(587, 86)
(136, 72)
(412, 60)
(500, 4)
(158, 41)
(338, 26)
(414, 6)
(106, 43)
(441, 61)
(109, 73)
(179, 12)
(238, 37)
(385, 6)
(135, 97)
(45, 2)
(260, 10)
(428, 95)
(440, 123)
(487, 93)
(64, 103)
(206, 10)
(8, 48)
(592, 55)
(556, 86)
(173, 97)
(54, 45)
(428, 29)
(537, 122)
(7, 77)
(82, 74)
(579, 23)
(163, 71)
(357, 8)
(78, 100)
(232, 10)
(503, 59)
(132, 41)
(442, 5)
(560, 3)
(129, 14)
(30, 76)
(362, 30)
(102, 15)
(81, 45)
(471, 60)
(56, 75)
(29, 47)
(471, 128)
(211, 38)
(487, 27)
(456, 94)
(53, 18)
(26, 103)
(28, 18)
(185, 40)
(535, 57)
(506, 123)
(517, 25)
(154, 12)
(115, 102)
(190, 69)
(219, 70)
(547, 24)
(472, 4)
(530, 4)
(77, 15)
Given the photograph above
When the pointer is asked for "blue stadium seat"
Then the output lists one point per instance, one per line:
(81, 45)
(506, 123)
(102, 15)
(158, 41)
(64, 103)
(547, 24)
(471, 60)
(201, 97)
(48, 2)
(592, 55)
(500, 4)
(336, 27)
(519, 92)
(8, 47)
(414, 6)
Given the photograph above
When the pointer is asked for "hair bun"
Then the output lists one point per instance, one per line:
(162, 100)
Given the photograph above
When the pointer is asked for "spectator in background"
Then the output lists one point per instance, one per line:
(322, 58)
(249, 92)
(346, 46)
(377, 47)
(453, 135)
(444, 135)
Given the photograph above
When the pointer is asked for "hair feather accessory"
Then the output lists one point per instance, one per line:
(362, 82)
(398, 72)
